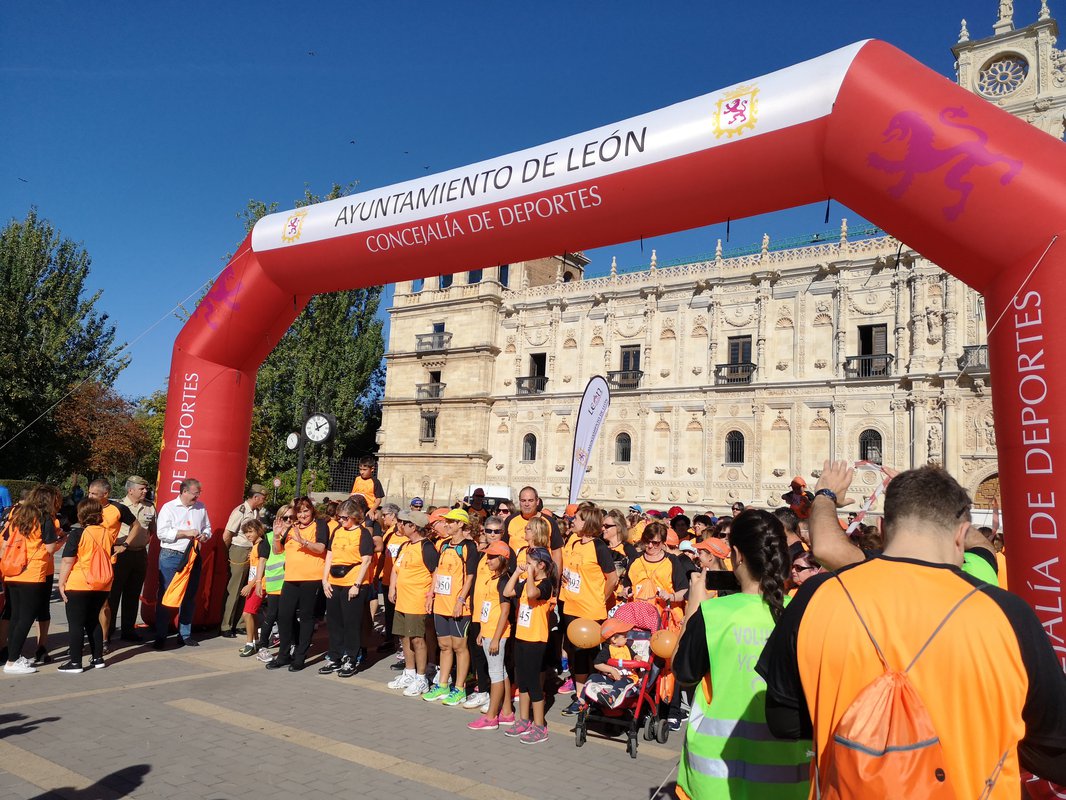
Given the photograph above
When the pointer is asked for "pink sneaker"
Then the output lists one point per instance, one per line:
(519, 728)
(535, 735)
(568, 687)
(507, 719)
(484, 723)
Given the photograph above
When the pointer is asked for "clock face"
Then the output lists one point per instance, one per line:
(293, 441)
(317, 428)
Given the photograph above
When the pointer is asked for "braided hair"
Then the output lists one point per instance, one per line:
(760, 538)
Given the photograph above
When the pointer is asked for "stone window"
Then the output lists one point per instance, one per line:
(870, 446)
(734, 447)
(623, 448)
(474, 276)
(445, 281)
(429, 426)
(529, 447)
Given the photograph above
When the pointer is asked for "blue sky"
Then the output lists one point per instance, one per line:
(142, 129)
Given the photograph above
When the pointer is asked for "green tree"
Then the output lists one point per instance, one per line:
(52, 338)
(329, 360)
(149, 415)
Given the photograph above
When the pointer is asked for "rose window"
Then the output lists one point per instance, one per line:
(1002, 76)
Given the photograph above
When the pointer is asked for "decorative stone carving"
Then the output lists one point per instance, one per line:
(935, 443)
(597, 341)
(664, 373)
(692, 470)
(560, 467)
(696, 370)
(819, 423)
(503, 428)
(732, 474)
(781, 366)
(822, 320)
(506, 381)
(737, 318)
(498, 467)
(654, 493)
(660, 470)
(699, 332)
(869, 406)
(567, 378)
(872, 308)
(570, 343)
(779, 472)
(780, 424)
(821, 363)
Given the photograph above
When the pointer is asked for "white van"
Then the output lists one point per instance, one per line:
(494, 495)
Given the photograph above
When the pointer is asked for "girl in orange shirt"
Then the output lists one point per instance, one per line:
(29, 589)
(534, 596)
(83, 596)
(305, 553)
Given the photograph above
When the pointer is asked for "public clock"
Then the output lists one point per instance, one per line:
(318, 427)
(293, 441)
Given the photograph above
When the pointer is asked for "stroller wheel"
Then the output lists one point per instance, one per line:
(580, 734)
(631, 745)
(662, 731)
(649, 728)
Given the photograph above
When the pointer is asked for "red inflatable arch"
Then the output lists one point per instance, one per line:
(974, 189)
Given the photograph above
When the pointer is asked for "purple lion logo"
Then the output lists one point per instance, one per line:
(221, 297)
(923, 156)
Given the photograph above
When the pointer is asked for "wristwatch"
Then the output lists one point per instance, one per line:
(826, 493)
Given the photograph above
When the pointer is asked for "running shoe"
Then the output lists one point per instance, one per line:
(347, 668)
(520, 728)
(401, 681)
(247, 651)
(506, 719)
(674, 723)
(438, 692)
(329, 667)
(484, 723)
(575, 708)
(418, 687)
(476, 700)
(41, 657)
(70, 668)
(535, 735)
(264, 655)
(567, 687)
(20, 667)
(97, 663)
(454, 698)
(485, 708)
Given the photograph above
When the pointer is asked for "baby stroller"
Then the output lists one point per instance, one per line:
(639, 707)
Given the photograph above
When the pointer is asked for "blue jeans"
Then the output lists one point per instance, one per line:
(169, 563)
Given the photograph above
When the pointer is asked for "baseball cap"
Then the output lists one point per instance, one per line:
(416, 502)
(570, 510)
(613, 626)
(257, 488)
(137, 479)
(438, 514)
(636, 507)
(674, 511)
(687, 545)
(498, 549)
(798, 481)
(718, 548)
(671, 539)
(653, 513)
(539, 554)
(419, 519)
(458, 514)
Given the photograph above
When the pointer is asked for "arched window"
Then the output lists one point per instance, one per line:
(529, 447)
(474, 276)
(870, 446)
(623, 448)
(446, 281)
(734, 447)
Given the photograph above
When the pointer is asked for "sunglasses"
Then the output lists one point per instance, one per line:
(609, 525)
(288, 518)
(656, 542)
(342, 517)
(496, 531)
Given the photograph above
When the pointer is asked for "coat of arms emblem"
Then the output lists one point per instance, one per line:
(293, 227)
(736, 111)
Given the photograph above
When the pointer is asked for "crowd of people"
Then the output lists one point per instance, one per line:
(788, 620)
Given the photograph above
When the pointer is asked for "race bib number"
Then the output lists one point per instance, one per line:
(486, 609)
(443, 584)
(252, 572)
(525, 616)
(573, 581)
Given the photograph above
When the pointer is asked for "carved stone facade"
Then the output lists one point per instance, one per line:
(730, 375)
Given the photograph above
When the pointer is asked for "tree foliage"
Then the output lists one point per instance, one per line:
(329, 360)
(98, 432)
(52, 337)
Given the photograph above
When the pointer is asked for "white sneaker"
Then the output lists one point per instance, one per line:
(21, 667)
(264, 655)
(435, 670)
(476, 700)
(417, 688)
(485, 708)
(401, 681)
(400, 656)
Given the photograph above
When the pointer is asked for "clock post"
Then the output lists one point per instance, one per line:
(317, 428)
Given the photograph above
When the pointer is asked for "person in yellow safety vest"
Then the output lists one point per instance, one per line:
(729, 750)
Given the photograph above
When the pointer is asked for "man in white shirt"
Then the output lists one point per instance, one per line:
(179, 524)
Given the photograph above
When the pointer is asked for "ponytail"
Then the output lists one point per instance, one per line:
(760, 538)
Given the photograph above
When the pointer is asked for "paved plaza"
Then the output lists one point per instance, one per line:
(204, 723)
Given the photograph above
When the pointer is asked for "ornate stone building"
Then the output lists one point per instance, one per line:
(729, 373)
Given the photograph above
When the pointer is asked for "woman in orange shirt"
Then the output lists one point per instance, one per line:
(305, 554)
(83, 591)
(589, 579)
(346, 583)
(29, 588)
(534, 596)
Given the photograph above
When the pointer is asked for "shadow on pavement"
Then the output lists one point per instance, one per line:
(121, 783)
(25, 724)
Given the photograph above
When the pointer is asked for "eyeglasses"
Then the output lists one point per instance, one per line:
(655, 542)
(609, 525)
(342, 517)
(494, 531)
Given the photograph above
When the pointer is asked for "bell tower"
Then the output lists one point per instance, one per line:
(1019, 69)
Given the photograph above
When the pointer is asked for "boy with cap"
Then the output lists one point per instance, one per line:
(612, 682)
(411, 592)
(798, 498)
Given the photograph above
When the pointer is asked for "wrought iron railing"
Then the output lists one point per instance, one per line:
(734, 374)
(877, 366)
(531, 384)
(625, 378)
(431, 342)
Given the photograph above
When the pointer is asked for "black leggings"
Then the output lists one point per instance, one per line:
(25, 601)
(297, 596)
(344, 619)
(273, 605)
(83, 616)
(528, 662)
(477, 656)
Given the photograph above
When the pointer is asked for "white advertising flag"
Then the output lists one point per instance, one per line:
(590, 416)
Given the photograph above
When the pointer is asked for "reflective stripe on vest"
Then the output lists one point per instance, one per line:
(729, 750)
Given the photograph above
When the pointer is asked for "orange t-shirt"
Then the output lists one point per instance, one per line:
(349, 548)
(92, 536)
(531, 623)
(39, 562)
(450, 576)
(302, 564)
(487, 605)
(413, 570)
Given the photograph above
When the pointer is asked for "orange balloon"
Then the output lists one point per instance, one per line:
(664, 643)
(584, 634)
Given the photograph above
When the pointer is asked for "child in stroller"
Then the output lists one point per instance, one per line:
(613, 683)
